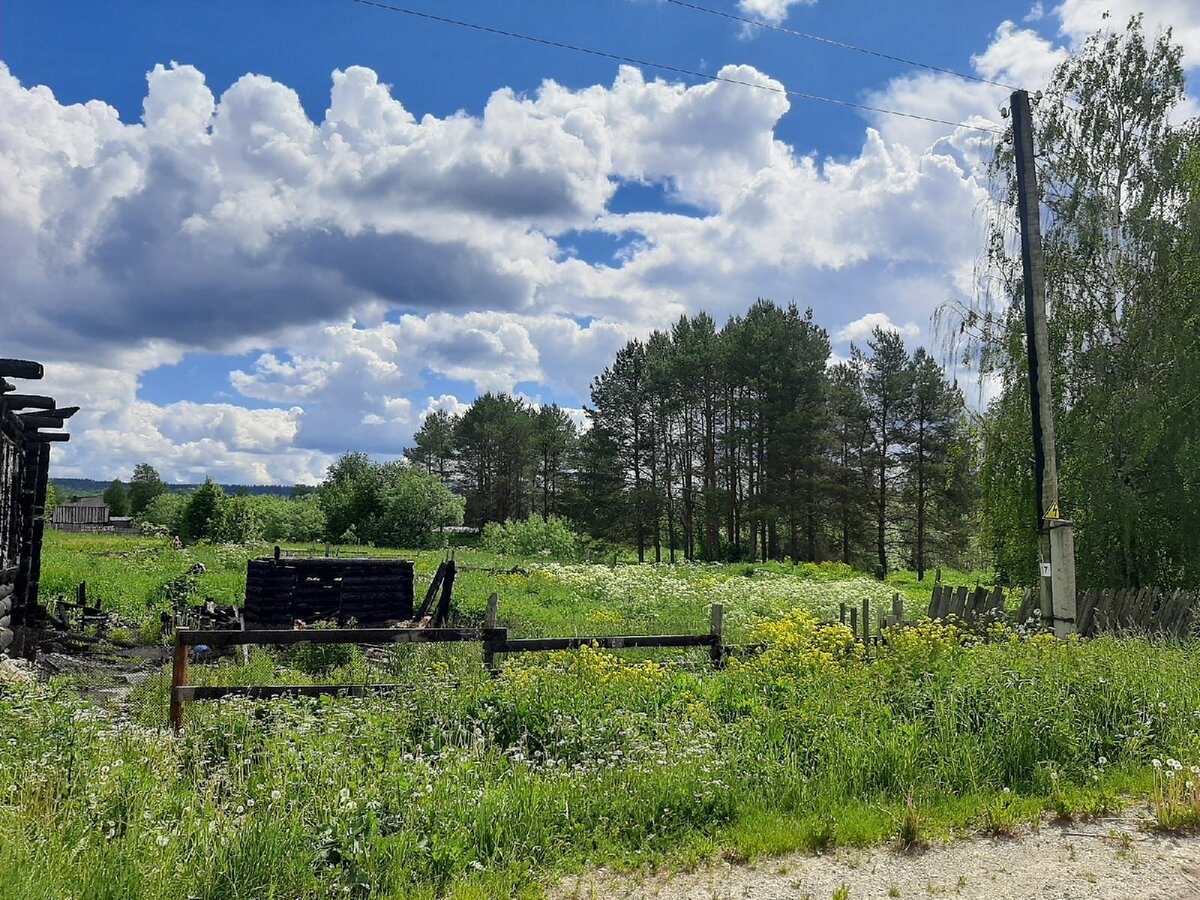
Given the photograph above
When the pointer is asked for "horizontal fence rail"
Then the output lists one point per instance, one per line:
(288, 637)
(267, 692)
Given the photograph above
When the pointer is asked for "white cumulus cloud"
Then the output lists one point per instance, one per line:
(863, 327)
(373, 262)
(773, 11)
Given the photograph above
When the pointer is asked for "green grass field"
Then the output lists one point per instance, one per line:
(469, 786)
(138, 577)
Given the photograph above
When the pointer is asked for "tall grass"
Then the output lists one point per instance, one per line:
(137, 578)
(467, 786)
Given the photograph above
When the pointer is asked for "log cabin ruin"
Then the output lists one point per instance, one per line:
(29, 424)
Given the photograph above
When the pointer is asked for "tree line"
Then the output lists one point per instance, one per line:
(359, 502)
(208, 513)
(739, 442)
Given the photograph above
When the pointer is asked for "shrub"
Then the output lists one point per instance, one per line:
(162, 514)
(532, 537)
(299, 520)
(390, 505)
(202, 515)
(238, 521)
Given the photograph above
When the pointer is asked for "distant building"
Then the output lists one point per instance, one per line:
(81, 513)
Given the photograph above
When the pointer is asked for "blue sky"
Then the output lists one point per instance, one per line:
(439, 69)
(239, 273)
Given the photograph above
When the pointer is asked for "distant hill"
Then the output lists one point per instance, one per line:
(84, 487)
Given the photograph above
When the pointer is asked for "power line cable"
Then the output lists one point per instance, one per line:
(604, 54)
(841, 44)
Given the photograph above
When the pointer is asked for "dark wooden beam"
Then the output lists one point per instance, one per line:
(36, 420)
(47, 437)
(20, 368)
(6, 386)
(630, 642)
(327, 636)
(27, 401)
(266, 692)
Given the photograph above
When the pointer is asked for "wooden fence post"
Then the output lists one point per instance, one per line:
(717, 650)
(866, 621)
(897, 609)
(842, 613)
(179, 678)
(489, 622)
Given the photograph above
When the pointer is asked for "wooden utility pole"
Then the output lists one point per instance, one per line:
(1056, 537)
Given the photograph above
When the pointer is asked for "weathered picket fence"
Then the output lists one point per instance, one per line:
(967, 604)
(1146, 610)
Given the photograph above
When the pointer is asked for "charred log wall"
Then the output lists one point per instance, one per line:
(367, 591)
(24, 479)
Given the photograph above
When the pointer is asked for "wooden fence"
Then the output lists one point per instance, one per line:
(860, 626)
(495, 640)
(966, 603)
(1146, 610)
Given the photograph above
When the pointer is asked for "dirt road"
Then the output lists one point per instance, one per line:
(1108, 859)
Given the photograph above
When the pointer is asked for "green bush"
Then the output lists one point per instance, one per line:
(532, 537)
(162, 514)
(388, 505)
(202, 515)
(291, 520)
(238, 521)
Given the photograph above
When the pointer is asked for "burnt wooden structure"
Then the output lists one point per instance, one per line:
(282, 590)
(24, 479)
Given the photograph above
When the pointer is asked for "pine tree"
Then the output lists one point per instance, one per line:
(619, 407)
(887, 391)
(433, 444)
(935, 442)
(849, 485)
(555, 439)
(144, 486)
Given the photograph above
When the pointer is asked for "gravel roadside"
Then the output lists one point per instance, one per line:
(1106, 859)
